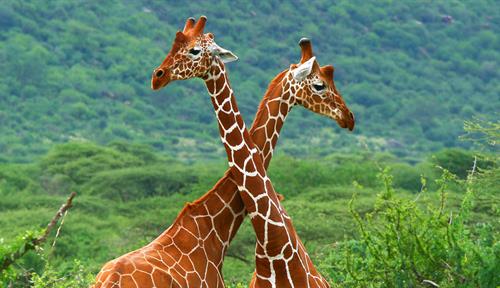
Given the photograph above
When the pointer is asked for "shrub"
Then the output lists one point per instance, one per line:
(138, 182)
(80, 161)
(406, 177)
(77, 276)
(405, 245)
(15, 178)
(293, 176)
(458, 161)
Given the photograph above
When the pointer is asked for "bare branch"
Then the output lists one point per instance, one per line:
(55, 219)
(36, 242)
(241, 258)
(432, 283)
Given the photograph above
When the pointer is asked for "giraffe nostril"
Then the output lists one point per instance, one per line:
(159, 73)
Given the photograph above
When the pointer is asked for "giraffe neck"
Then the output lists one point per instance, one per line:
(247, 169)
(271, 116)
(265, 130)
(243, 157)
(232, 129)
(281, 259)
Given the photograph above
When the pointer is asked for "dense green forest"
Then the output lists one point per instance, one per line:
(411, 71)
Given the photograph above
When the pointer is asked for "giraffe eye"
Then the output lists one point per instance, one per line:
(319, 87)
(194, 51)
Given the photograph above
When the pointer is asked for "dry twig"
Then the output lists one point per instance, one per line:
(37, 241)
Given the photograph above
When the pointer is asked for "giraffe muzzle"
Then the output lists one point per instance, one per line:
(160, 78)
(344, 118)
(348, 120)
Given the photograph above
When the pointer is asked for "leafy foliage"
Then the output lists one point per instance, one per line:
(11, 251)
(132, 183)
(77, 276)
(459, 161)
(483, 132)
(128, 195)
(404, 244)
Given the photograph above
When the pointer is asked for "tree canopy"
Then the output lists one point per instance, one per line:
(410, 72)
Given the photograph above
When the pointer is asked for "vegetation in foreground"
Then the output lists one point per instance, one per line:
(443, 230)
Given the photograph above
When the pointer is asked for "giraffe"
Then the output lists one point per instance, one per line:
(221, 208)
(281, 259)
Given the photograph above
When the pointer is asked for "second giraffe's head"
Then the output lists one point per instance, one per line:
(191, 55)
(313, 87)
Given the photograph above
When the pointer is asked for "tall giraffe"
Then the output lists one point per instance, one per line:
(205, 213)
(281, 259)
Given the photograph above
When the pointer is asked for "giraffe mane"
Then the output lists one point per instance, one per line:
(191, 205)
(271, 88)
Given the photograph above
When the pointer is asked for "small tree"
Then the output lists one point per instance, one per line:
(404, 244)
(13, 251)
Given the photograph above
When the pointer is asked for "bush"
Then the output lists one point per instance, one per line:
(406, 177)
(317, 193)
(293, 176)
(15, 178)
(459, 161)
(139, 182)
(117, 171)
(80, 160)
(77, 276)
(405, 245)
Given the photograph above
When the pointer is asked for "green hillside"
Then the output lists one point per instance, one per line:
(411, 72)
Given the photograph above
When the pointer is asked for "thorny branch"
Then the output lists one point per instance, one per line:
(238, 257)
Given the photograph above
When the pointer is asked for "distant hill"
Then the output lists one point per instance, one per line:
(411, 72)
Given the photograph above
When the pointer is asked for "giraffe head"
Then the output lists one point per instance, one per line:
(191, 55)
(314, 88)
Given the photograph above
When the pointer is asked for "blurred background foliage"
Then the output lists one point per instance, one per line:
(410, 71)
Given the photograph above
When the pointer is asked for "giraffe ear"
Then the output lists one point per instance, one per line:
(328, 71)
(225, 55)
(303, 70)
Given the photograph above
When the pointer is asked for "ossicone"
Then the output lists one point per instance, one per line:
(306, 49)
(189, 24)
(199, 26)
(194, 28)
